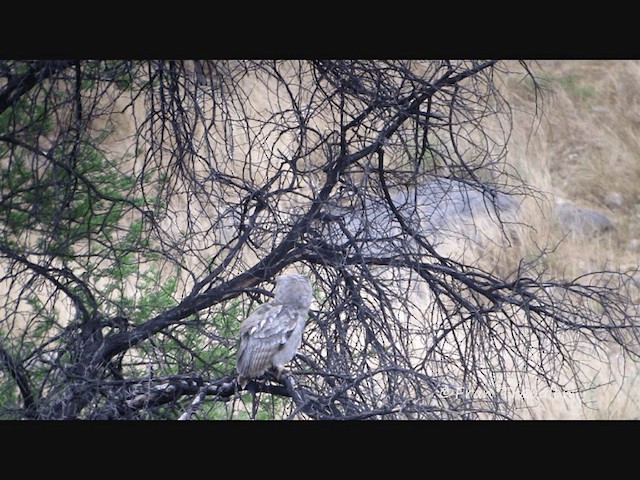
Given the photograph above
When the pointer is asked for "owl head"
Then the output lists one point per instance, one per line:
(294, 289)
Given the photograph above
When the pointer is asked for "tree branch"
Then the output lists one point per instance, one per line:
(19, 85)
(279, 257)
(18, 373)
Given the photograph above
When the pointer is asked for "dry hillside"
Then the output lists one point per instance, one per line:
(583, 147)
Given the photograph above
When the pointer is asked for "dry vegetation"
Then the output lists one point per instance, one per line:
(584, 147)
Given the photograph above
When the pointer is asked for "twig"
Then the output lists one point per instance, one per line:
(195, 404)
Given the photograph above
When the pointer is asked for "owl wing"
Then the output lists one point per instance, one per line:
(265, 333)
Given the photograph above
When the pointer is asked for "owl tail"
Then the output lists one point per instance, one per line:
(242, 381)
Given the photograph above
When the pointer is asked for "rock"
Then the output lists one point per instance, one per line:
(581, 220)
(444, 203)
(613, 200)
(441, 209)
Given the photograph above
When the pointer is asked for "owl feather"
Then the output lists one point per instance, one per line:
(271, 335)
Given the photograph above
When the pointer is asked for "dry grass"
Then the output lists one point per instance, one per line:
(584, 148)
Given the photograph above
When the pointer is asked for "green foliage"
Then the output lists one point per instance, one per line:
(25, 119)
(74, 210)
(190, 345)
(74, 196)
(575, 87)
(120, 73)
(268, 407)
(573, 84)
(9, 397)
(156, 294)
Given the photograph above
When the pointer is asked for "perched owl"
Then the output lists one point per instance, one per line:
(271, 335)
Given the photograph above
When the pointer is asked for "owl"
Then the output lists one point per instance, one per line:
(271, 335)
